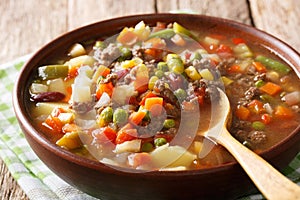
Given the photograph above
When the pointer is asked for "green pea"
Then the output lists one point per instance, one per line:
(147, 147)
(180, 94)
(107, 114)
(159, 73)
(169, 123)
(195, 56)
(160, 141)
(257, 125)
(259, 83)
(120, 116)
(125, 54)
(162, 66)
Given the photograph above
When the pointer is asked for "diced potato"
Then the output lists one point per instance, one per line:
(45, 108)
(179, 168)
(77, 50)
(66, 117)
(206, 74)
(81, 60)
(70, 141)
(129, 146)
(36, 88)
(172, 156)
(81, 94)
(57, 85)
(209, 40)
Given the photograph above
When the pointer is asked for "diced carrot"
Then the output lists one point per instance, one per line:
(270, 88)
(137, 117)
(283, 112)
(266, 118)
(148, 95)
(238, 41)
(68, 94)
(234, 69)
(106, 134)
(259, 67)
(124, 135)
(104, 87)
(142, 79)
(54, 124)
(139, 159)
(154, 105)
(256, 106)
(127, 37)
(242, 112)
(70, 128)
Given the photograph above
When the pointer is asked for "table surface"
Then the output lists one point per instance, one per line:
(27, 25)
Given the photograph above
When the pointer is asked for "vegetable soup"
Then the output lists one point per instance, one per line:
(143, 98)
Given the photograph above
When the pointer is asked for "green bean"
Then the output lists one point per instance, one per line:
(165, 33)
(259, 83)
(273, 64)
(53, 71)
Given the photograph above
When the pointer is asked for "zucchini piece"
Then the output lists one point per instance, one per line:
(53, 71)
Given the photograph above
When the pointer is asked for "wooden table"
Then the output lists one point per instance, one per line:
(27, 25)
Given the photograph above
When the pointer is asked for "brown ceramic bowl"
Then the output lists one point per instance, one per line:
(227, 181)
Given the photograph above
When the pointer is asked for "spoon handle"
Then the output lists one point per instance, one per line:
(271, 183)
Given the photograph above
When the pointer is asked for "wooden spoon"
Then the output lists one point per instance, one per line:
(271, 183)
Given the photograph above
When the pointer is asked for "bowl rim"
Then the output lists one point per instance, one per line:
(19, 107)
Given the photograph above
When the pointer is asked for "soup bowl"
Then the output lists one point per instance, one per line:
(226, 181)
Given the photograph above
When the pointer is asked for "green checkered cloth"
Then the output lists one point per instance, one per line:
(37, 181)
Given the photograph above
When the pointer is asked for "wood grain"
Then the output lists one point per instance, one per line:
(280, 18)
(230, 9)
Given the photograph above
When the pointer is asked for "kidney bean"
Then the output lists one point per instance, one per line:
(48, 97)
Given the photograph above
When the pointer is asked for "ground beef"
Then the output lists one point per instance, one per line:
(107, 55)
(257, 137)
(161, 90)
(110, 78)
(83, 107)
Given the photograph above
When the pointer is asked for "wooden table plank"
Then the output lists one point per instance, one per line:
(230, 9)
(27, 31)
(82, 12)
(279, 18)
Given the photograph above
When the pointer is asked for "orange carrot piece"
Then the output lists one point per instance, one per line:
(139, 159)
(104, 87)
(126, 135)
(259, 67)
(148, 95)
(256, 106)
(283, 112)
(154, 105)
(242, 112)
(270, 88)
(137, 117)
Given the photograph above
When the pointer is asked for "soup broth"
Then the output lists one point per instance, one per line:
(144, 98)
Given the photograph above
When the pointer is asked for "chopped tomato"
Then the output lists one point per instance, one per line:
(234, 69)
(256, 106)
(266, 118)
(224, 49)
(238, 41)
